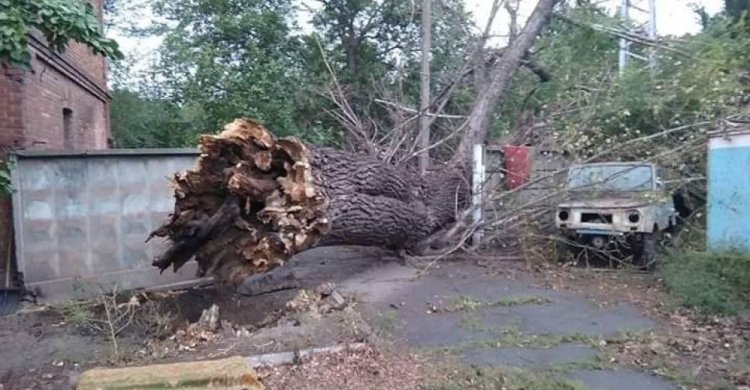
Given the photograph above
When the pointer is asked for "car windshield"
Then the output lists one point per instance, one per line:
(611, 177)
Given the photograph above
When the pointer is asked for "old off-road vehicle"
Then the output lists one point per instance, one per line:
(617, 207)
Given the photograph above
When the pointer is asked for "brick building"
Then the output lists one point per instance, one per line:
(60, 102)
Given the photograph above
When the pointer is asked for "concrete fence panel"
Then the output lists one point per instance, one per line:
(81, 219)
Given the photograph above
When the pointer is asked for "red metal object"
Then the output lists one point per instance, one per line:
(517, 164)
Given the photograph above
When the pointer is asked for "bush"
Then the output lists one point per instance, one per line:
(711, 282)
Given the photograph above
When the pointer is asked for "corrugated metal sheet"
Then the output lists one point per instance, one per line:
(729, 191)
(81, 218)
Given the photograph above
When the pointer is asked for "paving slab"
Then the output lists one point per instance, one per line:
(439, 330)
(621, 380)
(410, 297)
(571, 314)
(532, 357)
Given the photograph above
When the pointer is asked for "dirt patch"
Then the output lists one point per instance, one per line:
(353, 369)
(250, 312)
(39, 350)
(44, 349)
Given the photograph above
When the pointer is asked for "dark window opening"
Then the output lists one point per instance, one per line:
(596, 218)
(68, 128)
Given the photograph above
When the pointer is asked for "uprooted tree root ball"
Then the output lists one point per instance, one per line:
(251, 202)
(255, 200)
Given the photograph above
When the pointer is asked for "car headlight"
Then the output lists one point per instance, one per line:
(563, 215)
(634, 216)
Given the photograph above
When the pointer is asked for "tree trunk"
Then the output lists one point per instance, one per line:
(254, 200)
(500, 76)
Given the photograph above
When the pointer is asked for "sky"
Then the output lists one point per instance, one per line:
(673, 17)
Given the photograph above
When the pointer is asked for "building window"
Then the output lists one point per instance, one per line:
(68, 128)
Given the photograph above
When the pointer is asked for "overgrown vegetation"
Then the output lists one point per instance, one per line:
(711, 282)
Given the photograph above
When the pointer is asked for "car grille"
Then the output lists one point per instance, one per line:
(596, 218)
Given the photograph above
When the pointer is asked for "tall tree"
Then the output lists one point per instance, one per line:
(373, 49)
(369, 34)
(499, 77)
(232, 58)
(254, 200)
(150, 122)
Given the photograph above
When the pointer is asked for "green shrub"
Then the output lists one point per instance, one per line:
(711, 282)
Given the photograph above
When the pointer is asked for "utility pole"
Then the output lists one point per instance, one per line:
(424, 101)
(624, 43)
(625, 53)
(652, 34)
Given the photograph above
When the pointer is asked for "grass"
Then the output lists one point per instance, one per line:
(472, 321)
(710, 282)
(465, 377)
(74, 312)
(511, 337)
(386, 320)
(468, 303)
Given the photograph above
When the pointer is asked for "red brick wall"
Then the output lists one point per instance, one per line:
(32, 103)
(94, 66)
(86, 61)
(11, 107)
(75, 80)
(47, 92)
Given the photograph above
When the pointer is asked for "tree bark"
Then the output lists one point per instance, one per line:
(500, 76)
(254, 200)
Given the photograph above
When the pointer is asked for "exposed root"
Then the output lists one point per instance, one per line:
(251, 203)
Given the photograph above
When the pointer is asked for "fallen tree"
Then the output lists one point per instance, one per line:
(254, 200)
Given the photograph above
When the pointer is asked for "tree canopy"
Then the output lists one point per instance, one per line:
(223, 59)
